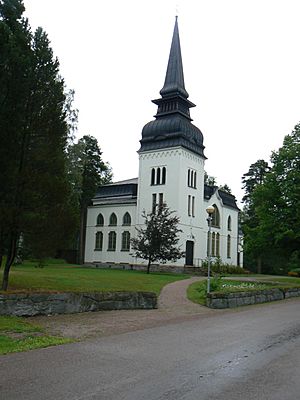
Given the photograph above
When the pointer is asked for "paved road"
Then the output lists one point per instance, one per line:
(247, 353)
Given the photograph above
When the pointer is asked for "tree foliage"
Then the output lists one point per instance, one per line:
(275, 207)
(158, 240)
(35, 119)
(86, 172)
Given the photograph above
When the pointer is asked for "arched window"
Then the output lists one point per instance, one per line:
(215, 217)
(127, 219)
(164, 175)
(228, 246)
(112, 239)
(99, 241)
(100, 220)
(158, 176)
(218, 245)
(189, 177)
(113, 220)
(153, 176)
(213, 244)
(229, 223)
(125, 241)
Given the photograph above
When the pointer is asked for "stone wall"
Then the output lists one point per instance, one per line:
(237, 299)
(69, 303)
(154, 268)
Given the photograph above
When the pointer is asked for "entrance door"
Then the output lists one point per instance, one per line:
(189, 253)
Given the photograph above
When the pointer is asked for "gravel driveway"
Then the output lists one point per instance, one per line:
(173, 306)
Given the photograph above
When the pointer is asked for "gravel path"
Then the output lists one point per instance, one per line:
(173, 306)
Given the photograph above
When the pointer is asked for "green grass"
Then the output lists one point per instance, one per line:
(17, 335)
(196, 292)
(68, 278)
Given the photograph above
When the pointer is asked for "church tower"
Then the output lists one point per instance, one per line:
(171, 159)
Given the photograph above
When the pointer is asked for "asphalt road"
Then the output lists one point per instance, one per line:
(247, 353)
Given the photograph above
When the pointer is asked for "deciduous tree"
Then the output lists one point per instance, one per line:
(158, 240)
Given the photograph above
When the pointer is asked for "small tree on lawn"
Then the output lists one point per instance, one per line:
(158, 240)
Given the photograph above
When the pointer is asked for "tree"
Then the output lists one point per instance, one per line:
(272, 221)
(279, 212)
(86, 171)
(255, 241)
(209, 180)
(225, 188)
(254, 177)
(158, 240)
(35, 118)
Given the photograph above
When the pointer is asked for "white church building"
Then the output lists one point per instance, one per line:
(171, 171)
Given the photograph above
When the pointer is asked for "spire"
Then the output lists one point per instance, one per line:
(172, 126)
(174, 81)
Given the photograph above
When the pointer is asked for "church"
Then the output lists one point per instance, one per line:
(171, 171)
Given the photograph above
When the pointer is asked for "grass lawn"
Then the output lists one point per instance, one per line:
(18, 335)
(196, 292)
(66, 278)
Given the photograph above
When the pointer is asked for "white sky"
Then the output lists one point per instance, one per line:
(241, 63)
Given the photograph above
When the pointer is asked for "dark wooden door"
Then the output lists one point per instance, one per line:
(189, 253)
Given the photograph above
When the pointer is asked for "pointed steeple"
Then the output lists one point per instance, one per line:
(172, 126)
(174, 81)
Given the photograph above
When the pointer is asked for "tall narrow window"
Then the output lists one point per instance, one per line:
(195, 180)
(192, 179)
(113, 220)
(153, 176)
(100, 220)
(125, 241)
(216, 217)
(189, 177)
(127, 219)
(189, 205)
(160, 199)
(213, 244)
(218, 245)
(158, 176)
(164, 175)
(228, 246)
(193, 206)
(112, 239)
(153, 203)
(229, 223)
(99, 241)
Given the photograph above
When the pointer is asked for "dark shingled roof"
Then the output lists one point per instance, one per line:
(123, 190)
(228, 199)
(172, 126)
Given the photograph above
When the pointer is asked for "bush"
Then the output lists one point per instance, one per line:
(218, 267)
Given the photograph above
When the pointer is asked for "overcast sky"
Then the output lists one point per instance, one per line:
(241, 63)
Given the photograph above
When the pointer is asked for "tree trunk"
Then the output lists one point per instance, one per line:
(148, 266)
(9, 261)
(259, 265)
(83, 215)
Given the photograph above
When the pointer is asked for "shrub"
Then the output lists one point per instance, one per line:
(218, 267)
(216, 284)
